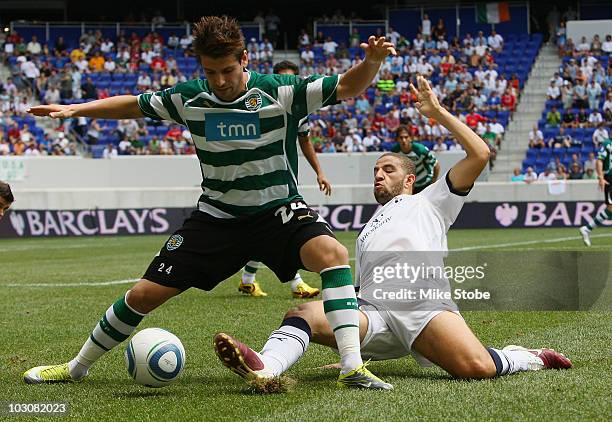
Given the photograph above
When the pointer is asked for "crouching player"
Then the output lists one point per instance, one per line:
(410, 223)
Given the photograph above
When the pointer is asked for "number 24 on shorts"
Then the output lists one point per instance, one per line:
(287, 214)
(161, 269)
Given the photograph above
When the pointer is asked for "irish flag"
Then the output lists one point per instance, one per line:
(492, 13)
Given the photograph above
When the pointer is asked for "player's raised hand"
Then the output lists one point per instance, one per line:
(56, 111)
(427, 103)
(376, 49)
(324, 185)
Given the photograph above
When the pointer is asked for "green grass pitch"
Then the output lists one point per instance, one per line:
(47, 324)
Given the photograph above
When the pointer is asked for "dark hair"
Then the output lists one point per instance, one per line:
(5, 192)
(286, 65)
(406, 163)
(401, 128)
(218, 36)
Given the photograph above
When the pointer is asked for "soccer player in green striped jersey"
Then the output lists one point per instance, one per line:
(6, 198)
(604, 178)
(427, 165)
(244, 127)
(299, 288)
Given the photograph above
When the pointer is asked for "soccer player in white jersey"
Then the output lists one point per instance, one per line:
(6, 198)
(299, 288)
(404, 223)
(244, 125)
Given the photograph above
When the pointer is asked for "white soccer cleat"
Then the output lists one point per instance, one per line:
(586, 235)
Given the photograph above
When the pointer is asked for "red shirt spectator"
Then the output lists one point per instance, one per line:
(508, 100)
(473, 119)
(174, 133)
(158, 63)
(404, 97)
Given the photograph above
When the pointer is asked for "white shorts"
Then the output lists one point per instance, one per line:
(384, 342)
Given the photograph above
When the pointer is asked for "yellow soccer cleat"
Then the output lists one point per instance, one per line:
(361, 377)
(252, 289)
(304, 291)
(48, 374)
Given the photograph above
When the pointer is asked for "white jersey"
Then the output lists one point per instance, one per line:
(411, 223)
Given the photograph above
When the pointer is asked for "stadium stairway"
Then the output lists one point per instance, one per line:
(527, 113)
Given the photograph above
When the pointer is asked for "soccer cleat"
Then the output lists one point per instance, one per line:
(252, 289)
(586, 235)
(48, 374)
(304, 291)
(240, 358)
(361, 377)
(544, 358)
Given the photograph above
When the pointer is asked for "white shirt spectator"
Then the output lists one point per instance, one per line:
(496, 41)
(535, 135)
(82, 65)
(595, 118)
(442, 45)
(371, 141)
(329, 47)
(553, 92)
(426, 27)
(418, 44)
(34, 48)
(52, 96)
(531, 176)
(607, 105)
(110, 66)
(480, 50)
(393, 36)
(106, 46)
(425, 68)
(606, 47)
(147, 56)
(600, 135)
(583, 46)
(186, 41)
(455, 146)
(124, 146)
(558, 80)
(112, 153)
(497, 128)
(144, 81)
(543, 177)
(30, 70)
(32, 151)
(440, 147)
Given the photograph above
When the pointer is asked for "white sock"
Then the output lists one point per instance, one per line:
(286, 345)
(77, 370)
(249, 271)
(296, 280)
(512, 361)
(349, 349)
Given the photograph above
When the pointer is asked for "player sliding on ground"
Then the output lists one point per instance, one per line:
(244, 125)
(299, 288)
(405, 223)
(604, 178)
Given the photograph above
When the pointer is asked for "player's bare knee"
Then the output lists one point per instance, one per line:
(334, 253)
(475, 368)
(142, 299)
(304, 311)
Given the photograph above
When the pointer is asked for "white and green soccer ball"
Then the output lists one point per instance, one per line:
(155, 357)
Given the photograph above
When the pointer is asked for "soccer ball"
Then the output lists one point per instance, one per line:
(155, 357)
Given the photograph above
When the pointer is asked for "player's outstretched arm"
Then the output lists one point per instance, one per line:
(119, 107)
(359, 77)
(465, 172)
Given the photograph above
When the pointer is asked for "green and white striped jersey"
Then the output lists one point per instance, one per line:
(605, 155)
(247, 148)
(424, 161)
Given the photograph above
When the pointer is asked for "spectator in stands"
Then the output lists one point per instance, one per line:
(454, 146)
(595, 118)
(530, 175)
(94, 131)
(60, 49)
(553, 92)
(560, 140)
(272, 26)
(89, 89)
(439, 30)
(508, 100)
(110, 151)
(580, 95)
(567, 94)
(5, 148)
(536, 138)
(562, 173)
(600, 134)
(425, 25)
(553, 118)
(495, 41)
(418, 43)
(52, 95)
(371, 142)
(34, 48)
(591, 162)
(186, 41)
(517, 176)
(583, 46)
(329, 46)
(546, 175)
(593, 91)
(606, 46)
(589, 174)
(440, 146)
(473, 118)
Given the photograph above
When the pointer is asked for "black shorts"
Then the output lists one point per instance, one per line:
(207, 250)
(608, 189)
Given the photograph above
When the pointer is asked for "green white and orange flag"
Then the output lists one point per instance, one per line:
(492, 12)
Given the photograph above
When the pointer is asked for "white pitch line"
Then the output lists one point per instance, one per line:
(525, 242)
(80, 284)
